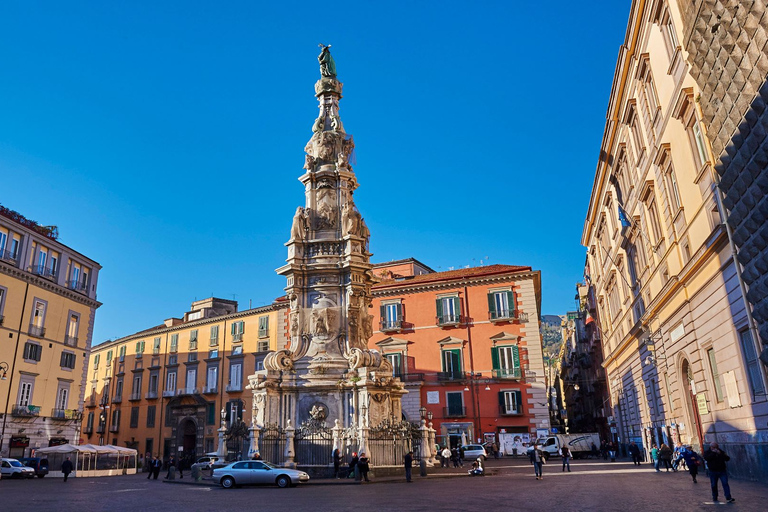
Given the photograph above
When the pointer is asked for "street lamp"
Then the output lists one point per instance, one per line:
(429, 415)
(3, 370)
(422, 412)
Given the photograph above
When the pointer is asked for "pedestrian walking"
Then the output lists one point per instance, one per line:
(353, 464)
(455, 457)
(495, 449)
(66, 468)
(537, 458)
(565, 453)
(665, 455)
(179, 463)
(151, 466)
(595, 452)
(157, 465)
(692, 461)
(364, 466)
(677, 456)
(604, 449)
(634, 452)
(446, 454)
(336, 463)
(408, 460)
(716, 462)
(612, 450)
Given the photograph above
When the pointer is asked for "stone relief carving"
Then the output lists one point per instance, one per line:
(300, 224)
(309, 162)
(363, 358)
(350, 220)
(326, 209)
(322, 321)
(279, 361)
(294, 321)
(367, 321)
(318, 412)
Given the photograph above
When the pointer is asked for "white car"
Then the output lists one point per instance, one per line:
(473, 451)
(206, 462)
(12, 468)
(252, 472)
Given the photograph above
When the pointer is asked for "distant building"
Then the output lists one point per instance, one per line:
(161, 390)
(679, 352)
(47, 308)
(468, 346)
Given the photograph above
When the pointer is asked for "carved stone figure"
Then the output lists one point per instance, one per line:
(364, 231)
(300, 224)
(367, 326)
(342, 161)
(326, 208)
(327, 64)
(336, 123)
(294, 323)
(350, 220)
(320, 321)
(309, 162)
(318, 412)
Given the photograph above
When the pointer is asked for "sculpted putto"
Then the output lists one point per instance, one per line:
(300, 224)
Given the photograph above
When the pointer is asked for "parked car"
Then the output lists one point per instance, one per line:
(12, 468)
(40, 465)
(206, 462)
(253, 472)
(473, 451)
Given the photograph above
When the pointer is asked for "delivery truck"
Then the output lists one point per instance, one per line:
(579, 444)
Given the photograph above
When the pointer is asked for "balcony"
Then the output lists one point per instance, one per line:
(454, 412)
(88, 429)
(262, 346)
(70, 340)
(135, 397)
(193, 344)
(450, 376)
(66, 414)
(100, 429)
(78, 286)
(117, 399)
(91, 402)
(25, 410)
(234, 388)
(410, 377)
(391, 324)
(114, 428)
(212, 390)
(169, 393)
(42, 271)
(37, 332)
(187, 391)
(508, 411)
(151, 395)
(507, 373)
(507, 315)
(449, 320)
(237, 337)
(8, 256)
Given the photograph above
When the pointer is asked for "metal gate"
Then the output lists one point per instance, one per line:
(314, 444)
(272, 444)
(389, 442)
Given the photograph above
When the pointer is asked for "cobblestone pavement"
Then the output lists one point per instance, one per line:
(591, 485)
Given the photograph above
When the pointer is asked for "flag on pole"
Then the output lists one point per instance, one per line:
(623, 219)
(589, 319)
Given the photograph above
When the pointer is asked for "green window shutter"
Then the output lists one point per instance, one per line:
(232, 328)
(242, 327)
(502, 400)
(491, 305)
(519, 400)
(511, 302)
(439, 308)
(399, 312)
(383, 312)
(516, 358)
(457, 359)
(495, 357)
(457, 306)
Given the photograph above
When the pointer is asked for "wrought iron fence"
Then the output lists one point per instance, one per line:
(272, 444)
(314, 444)
(389, 442)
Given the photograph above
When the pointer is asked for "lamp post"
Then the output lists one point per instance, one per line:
(432, 450)
(3, 370)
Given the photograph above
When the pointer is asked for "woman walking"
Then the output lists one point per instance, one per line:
(665, 454)
(655, 457)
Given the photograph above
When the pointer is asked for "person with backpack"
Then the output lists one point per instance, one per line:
(665, 455)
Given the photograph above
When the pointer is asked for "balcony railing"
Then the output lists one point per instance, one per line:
(117, 399)
(508, 411)
(507, 373)
(78, 286)
(454, 412)
(88, 429)
(188, 391)
(450, 376)
(26, 410)
(7, 255)
(237, 337)
(36, 331)
(212, 390)
(410, 377)
(70, 340)
(234, 388)
(151, 395)
(66, 414)
(100, 429)
(449, 319)
(390, 324)
(135, 397)
(91, 402)
(262, 346)
(507, 315)
(114, 428)
(43, 271)
(169, 393)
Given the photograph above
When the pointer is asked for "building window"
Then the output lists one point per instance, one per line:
(3, 293)
(214, 335)
(170, 382)
(154, 378)
(72, 330)
(649, 198)
(452, 364)
(263, 326)
(391, 316)
(174, 342)
(396, 360)
(238, 329)
(754, 372)
(109, 357)
(237, 350)
(193, 340)
(455, 404)
(96, 359)
(62, 397)
(191, 379)
(134, 417)
(448, 310)
(673, 190)
(139, 349)
(68, 360)
(118, 389)
(235, 377)
(115, 420)
(156, 346)
(25, 391)
(715, 374)
(651, 98)
(506, 362)
(501, 305)
(637, 137)
(151, 412)
(510, 402)
(212, 378)
(89, 423)
(122, 354)
(136, 389)
(36, 327)
(211, 413)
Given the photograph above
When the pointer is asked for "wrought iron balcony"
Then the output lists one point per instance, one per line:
(77, 285)
(169, 393)
(100, 429)
(88, 429)
(135, 397)
(447, 320)
(390, 324)
(262, 346)
(507, 315)
(450, 376)
(117, 399)
(212, 390)
(234, 388)
(43, 271)
(8, 256)
(237, 337)
(410, 377)
(91, 402)
(114, 428)
(25, 410)
(507, 373)
(188, 391)
(66, 414)
(36, 331)
(454, 412)
(151, 395)
(70, 340)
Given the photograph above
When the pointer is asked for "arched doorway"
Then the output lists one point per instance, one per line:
(188, 441)
(689, 391)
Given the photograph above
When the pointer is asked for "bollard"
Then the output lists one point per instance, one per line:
(197, 473)
(358, 475)
(423, 467)
(172, 473)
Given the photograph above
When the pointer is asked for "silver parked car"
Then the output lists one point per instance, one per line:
(253, 472)
(12, 468)
(473, 451)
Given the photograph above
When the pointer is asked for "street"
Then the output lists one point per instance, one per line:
(592, 485)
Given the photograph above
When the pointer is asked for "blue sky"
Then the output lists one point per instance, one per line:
(165, 139)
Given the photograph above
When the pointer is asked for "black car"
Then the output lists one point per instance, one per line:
(40, 465)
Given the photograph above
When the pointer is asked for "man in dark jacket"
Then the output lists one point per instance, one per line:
(66, 468)
(716, 459)
(634, 452)
(157, 465)
(408, 466)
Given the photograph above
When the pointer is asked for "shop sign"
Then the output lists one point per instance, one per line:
(701, 402)
(19, 442)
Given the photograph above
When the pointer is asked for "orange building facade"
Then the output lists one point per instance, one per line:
(468, 345)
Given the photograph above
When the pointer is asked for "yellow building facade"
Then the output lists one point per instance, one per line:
(47, 308)
(665, 287)
(161, 390)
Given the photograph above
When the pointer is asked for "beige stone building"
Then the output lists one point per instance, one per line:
(161, 390)
(666, 291)
(47, 308)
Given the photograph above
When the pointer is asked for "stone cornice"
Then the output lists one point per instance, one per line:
(400, 287)
(46, 284)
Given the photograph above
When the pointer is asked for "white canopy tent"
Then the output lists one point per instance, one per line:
(91, 460)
